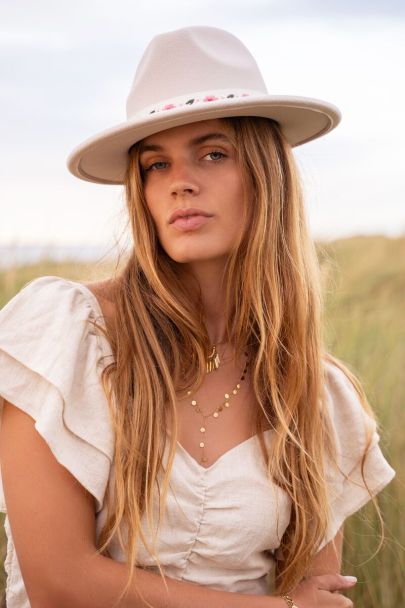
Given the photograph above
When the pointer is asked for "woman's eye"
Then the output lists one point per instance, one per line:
(160, 164)
(216, 155)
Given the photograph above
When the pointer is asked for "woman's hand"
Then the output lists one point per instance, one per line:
(323, 591)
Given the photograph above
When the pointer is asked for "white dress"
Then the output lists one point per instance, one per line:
(223, 523)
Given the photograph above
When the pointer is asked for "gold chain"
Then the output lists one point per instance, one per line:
(289, 601)
(218, 410)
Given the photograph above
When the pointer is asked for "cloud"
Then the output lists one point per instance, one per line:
(47, 24)
(342, 8)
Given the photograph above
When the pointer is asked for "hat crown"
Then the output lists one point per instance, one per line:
(190, 60)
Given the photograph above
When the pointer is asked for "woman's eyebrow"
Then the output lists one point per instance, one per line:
(196, 141)
(203, 138)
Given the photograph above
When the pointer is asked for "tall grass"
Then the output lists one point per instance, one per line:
(364, 287)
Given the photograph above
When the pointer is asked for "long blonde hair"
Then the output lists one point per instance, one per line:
(277, 313)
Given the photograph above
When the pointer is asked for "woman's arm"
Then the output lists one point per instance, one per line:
(329, 559)
(53, 525)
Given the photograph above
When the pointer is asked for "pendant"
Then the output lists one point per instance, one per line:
(213, 361)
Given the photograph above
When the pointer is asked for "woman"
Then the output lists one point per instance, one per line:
(175, 434)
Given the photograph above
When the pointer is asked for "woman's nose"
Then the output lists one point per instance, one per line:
(183, 181)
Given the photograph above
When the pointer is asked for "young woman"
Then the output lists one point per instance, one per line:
(178, 432)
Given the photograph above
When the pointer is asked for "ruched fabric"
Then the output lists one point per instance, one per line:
(223, 524)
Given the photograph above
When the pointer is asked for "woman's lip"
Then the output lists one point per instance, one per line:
(186, 212)
(192, 222)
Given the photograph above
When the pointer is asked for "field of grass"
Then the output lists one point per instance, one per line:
(364, 281)
(364, 287)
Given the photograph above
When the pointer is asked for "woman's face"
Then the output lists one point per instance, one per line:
(194, 167)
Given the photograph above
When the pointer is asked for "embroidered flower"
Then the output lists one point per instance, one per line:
(193, 100)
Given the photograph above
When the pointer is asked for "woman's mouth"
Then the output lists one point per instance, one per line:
(190, 222)
(190, 218)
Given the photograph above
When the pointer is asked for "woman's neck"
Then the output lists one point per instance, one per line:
(209, 275)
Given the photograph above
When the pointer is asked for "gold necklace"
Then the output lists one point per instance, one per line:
(218, 410)
(213, 360)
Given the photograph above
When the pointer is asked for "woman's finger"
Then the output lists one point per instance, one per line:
(334, 582)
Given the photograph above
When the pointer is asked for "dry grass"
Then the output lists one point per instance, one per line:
(364, 298)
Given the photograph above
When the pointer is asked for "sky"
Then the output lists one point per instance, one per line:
(65, 73)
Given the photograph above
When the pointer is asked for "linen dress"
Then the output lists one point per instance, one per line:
(223, 523)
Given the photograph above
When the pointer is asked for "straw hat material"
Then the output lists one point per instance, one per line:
(188, 75)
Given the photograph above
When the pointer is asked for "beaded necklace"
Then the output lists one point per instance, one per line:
(215, 413)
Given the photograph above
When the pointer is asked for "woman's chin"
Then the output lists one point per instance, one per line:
(199, 259)
(195, 253)
(189, 259)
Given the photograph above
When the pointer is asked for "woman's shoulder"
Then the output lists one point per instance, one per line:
(61, 299)
(53, 319)
(353, 420)
(104, 293)
(342, 386)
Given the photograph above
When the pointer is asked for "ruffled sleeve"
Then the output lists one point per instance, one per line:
(353, 428)
(51, 358)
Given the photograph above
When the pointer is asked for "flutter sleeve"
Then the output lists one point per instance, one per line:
(51, 358)
(351, 481)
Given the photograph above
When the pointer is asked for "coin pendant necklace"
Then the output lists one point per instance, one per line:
(216, 413)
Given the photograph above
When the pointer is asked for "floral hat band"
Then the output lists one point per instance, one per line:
(199, 97)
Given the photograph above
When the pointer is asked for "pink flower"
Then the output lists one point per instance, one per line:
(210, 98)
(168, 106)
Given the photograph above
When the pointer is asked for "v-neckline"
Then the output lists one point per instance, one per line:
(235, 448)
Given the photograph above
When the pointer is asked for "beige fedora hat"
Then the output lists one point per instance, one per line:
(192, 74)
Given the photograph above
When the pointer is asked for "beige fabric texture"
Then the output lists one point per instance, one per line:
(223, 524)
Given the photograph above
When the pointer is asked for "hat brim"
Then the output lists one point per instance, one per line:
(103, 158)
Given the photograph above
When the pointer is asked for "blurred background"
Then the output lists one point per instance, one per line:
(67, 67)
(65, 72)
